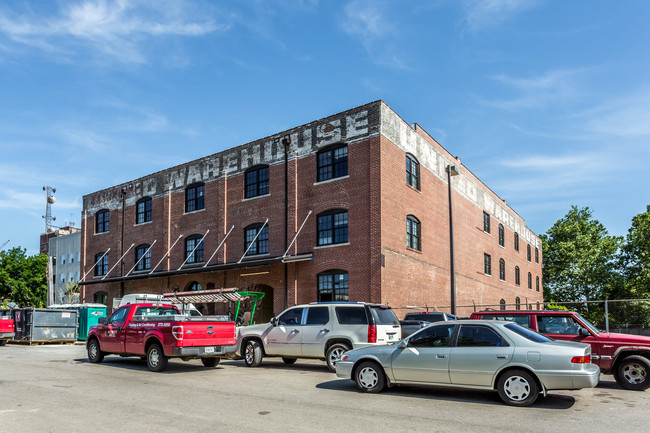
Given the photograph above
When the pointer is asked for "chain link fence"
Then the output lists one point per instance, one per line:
(627, 316)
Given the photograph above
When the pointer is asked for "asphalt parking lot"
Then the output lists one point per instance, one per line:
(53, 388)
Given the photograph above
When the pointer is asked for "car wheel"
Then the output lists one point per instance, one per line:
(210, 362)
(369, 377)
(252, 353)
(156, 359)
(632, 373)
(334, 354)
(518, 388)
(95, 355)
(288, 361)
(3, 342)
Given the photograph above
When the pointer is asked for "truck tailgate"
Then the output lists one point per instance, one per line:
(207, 334)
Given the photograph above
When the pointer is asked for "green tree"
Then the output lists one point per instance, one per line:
(579, 259)
(23, 278)
(71, 292)
(635, 258)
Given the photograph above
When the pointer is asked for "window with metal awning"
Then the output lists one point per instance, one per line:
(243, 262)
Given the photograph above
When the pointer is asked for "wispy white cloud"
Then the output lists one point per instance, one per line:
(538, 91)
(31, 201)
(114, 28)
(368, 20)
(485, 14)
(627, 116)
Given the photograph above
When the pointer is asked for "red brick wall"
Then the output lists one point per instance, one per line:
(380, 266)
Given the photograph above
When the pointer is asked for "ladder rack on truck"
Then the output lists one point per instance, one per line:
(219, 296)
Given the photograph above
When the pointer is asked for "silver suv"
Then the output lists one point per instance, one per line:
(323, 330)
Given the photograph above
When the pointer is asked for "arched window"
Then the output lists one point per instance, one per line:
(502, 269)
(194, 197)
(332, 227)
(413, 234)
(259, 245)
(502, 304)
(412, 171)
(194, 249)
(143, 210)
(528, 252)
(517, 303)
(537, 284)
(517, 277)
(530, 281)
(143, 252)
(516, 241)
(257, 181)
(332, 162)
(101, 267)
(194, 285)
(332, 286)
(501, 235)
(100, 298)
(101, 221)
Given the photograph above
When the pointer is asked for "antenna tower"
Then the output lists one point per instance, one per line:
(48, 208)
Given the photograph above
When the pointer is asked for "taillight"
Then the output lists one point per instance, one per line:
(581, 359)
(177, 332)
(372, 333)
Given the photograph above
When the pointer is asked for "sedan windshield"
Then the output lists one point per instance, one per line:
(527, 333)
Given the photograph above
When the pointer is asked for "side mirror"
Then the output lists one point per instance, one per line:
(584, 332)
(274, 321)
(102, 320)
(402, 344)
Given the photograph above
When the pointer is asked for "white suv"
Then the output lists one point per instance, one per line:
(318, 330)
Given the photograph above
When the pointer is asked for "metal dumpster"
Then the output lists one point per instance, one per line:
(40, 325)
(89, 315)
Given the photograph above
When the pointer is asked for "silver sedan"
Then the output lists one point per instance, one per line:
(482, 354)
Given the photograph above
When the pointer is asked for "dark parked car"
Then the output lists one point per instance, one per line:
(414, 321)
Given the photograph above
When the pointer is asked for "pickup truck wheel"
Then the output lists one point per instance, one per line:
(95, 355)
(334, 354)
(633, 373)
(518, 388)
(210, 362)
(156, 359)
(288, 361)
(252, 353)
(369, 377)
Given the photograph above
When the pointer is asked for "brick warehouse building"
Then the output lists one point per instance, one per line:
(367, 195)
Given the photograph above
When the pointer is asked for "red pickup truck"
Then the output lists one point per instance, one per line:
(625, 356)
(157, 332)
(6, 327)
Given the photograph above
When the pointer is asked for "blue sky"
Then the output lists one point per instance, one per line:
(547, 102)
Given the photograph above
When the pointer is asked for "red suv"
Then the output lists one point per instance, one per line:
(625, 356)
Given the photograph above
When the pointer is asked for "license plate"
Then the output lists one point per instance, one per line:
(209, 350)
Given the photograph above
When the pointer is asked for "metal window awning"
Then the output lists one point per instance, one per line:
(200, 268)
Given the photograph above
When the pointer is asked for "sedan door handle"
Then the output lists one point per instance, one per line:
(502, 356)
(295, 331)
(324, 330)
(440, 356)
